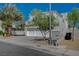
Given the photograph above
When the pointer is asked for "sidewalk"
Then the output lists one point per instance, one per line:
(30, 43)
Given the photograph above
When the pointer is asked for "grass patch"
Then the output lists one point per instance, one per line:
(73, 45)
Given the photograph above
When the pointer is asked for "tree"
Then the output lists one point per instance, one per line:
(8, 14)
(73, 17)
(41, 20)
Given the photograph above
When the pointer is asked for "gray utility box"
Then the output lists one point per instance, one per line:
(55, 37)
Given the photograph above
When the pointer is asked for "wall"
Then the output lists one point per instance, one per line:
(37, 33)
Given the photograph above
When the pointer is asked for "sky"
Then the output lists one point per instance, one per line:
(26, 8)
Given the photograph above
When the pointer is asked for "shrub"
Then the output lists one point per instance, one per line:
(1, 32)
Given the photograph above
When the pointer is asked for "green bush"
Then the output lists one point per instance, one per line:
(1, 32)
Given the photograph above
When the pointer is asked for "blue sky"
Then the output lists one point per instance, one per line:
(26, 8)
(64, 7)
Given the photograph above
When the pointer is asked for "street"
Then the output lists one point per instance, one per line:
(14, 50)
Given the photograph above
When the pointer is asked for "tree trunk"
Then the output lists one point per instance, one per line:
(44, 34)
(73, 32)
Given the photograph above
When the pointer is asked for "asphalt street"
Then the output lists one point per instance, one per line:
(7, 49)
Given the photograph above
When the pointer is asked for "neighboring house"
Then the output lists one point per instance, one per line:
(64, 23)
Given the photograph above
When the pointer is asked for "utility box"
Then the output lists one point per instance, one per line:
(55, 37)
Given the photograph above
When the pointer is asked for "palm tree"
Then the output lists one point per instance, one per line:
(8, 14)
